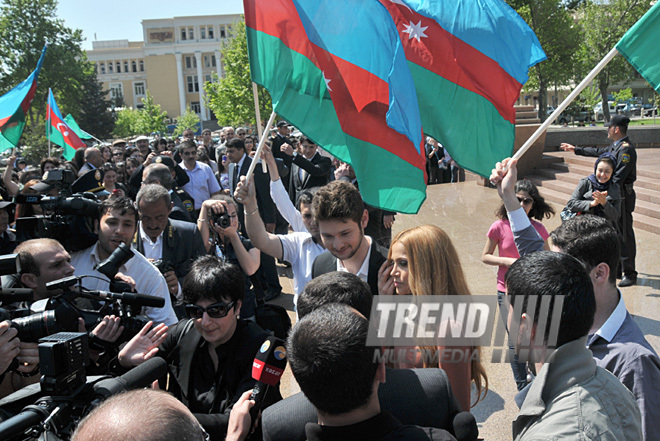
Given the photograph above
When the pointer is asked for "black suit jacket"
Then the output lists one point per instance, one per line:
(182, 244)
(276, 142)
(318, 173)
(179, 211)
(327, 263)
(422, 397)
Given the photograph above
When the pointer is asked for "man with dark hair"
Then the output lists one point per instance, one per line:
(308, 167)
(336, 371)
(7, 237)
(341, 216)
(336, 287)
(176, 244)
(117, 224)
(571, 397)
(624, 176)
(281, 137)
(158, 417)
(203, 183)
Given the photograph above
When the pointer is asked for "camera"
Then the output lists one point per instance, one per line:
(222, 220)
(163, 266)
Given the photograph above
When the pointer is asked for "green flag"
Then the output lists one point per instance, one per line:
(76, 128)
(640, 46)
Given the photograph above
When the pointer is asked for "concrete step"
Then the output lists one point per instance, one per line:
(523, 108)
(643, 160)
(526, 115)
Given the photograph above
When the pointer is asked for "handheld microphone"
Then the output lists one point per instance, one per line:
(140, 376)
(465, 427)
(267, 368)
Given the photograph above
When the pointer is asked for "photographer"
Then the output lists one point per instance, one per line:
(210, 355)
(117, 224)
(228, 244)
(174, 243)
(7, 238)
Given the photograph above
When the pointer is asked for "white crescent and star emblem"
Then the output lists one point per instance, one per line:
(63, 131)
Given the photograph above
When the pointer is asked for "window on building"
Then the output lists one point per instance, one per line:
(202, 33)
(110, 67)
(210, 32)
(134, 66)
(183, 33)
(102, 68)
(193, 84)
(118, 67)
(195, 107)
(141, 65)
(126, 66)
(188, 63)
(139, 89)
(213, 62)
(116, 91)
(207, 61)
(208, 78)
(223, 32)
(191, 34)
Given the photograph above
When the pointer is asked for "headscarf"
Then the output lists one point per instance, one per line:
(594, 182)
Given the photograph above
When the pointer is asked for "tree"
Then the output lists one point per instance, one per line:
(126, 123)
(25, 26)
(151, 118)
(189, 120)
(604, 24)
(623, 95)
(95, 116)
(559, 36)
(230, 98)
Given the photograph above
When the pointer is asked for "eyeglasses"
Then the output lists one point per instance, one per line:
(525, 201)
(241, 134)
(216, 310)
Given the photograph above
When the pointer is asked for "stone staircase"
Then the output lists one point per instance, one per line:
(560, 173)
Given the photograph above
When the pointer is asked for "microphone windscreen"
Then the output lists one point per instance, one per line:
(270, 361)
(140, 376)
(465, 427)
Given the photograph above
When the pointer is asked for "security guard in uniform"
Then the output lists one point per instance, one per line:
(625, 176)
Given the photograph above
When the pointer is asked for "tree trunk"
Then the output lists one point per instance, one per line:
(543, 95)
(602, 86)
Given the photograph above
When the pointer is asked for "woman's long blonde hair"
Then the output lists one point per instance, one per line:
(435, 269)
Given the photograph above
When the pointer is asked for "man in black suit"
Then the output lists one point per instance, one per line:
(176, 243)
(308, 167)
(161, 174)
(280, 138)
(341, 216)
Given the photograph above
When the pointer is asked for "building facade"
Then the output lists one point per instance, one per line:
(174, 60)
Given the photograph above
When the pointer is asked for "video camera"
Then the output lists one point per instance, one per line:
(67, 217)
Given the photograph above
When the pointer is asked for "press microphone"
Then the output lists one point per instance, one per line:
(131, 298)
(465, 427)
(267, 368)
(140, 376)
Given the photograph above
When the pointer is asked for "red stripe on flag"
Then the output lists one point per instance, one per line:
(69, 136)
(25, 105)
(451, 58)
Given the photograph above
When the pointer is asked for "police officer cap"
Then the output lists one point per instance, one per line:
(618, 121)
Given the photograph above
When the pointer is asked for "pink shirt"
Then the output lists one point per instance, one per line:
(500, 232)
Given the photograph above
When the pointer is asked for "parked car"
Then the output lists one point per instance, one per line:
(624, 109)
(598, 110)
(649, 110)
(575, 112)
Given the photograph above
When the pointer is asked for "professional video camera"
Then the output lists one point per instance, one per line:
(67, 217)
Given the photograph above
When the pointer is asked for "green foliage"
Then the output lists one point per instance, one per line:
(623, 95)
(151, 119)
(126, 123)
(230, 98)
(188, 120)
(95, 117)
(590, 96)
(36, 143)
(25, 25)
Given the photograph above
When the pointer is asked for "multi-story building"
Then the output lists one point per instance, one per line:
(178, 55)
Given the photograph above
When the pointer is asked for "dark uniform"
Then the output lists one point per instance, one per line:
(625, 176)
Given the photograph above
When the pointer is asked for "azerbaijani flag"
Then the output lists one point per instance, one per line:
(59, 132)
(337, 71)
(14, 106)
(469, 60)
(640, 46)
(76, 128)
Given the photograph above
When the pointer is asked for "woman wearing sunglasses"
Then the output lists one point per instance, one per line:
(210, 354)
(500, 236)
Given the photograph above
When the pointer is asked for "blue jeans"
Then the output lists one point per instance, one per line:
(519, 369)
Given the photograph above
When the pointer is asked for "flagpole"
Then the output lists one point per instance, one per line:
(568, 100)
(262, 141)
(257, 114)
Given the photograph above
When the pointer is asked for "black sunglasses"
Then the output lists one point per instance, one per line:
(525, 200)
(216, 310)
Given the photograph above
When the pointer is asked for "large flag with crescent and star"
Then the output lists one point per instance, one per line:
(59, 132)
(14, 106)
(335, 71)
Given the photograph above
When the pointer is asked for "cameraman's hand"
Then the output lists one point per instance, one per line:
(172, 282)
(143, 346)
(108, 329)
(9, 345)
(126, 279)
(28, 357)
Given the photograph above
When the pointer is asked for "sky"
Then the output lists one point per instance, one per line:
(121, 19)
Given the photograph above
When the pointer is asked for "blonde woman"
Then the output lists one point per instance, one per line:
(423, 261)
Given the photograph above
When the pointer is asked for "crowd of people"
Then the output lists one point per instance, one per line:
(206, 241)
